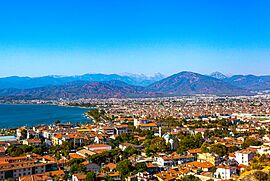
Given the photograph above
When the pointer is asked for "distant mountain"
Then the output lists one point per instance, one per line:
(189, 83)
(77, 90)
(143, 80)
(250, 82)
(218, 75)
(101, 86)
(28, 82)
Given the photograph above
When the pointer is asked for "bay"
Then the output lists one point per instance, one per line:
(15, 115)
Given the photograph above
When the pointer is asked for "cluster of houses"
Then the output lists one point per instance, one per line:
(94, 139)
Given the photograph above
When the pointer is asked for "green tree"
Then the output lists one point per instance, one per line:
(141, 167)
(91, 176)
(205, 147)
(251, 142)
(218, 149)
(23, 134)
(124, 167)
(158, 144)
(77, 168)
(190, 178)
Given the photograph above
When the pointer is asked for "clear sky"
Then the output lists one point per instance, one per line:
(64, 37)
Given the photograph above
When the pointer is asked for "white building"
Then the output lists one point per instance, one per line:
(224, 172)
(244, 156)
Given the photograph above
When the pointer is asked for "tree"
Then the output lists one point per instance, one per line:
(218, 149)
(158, 144)
(91, 176)
(205, 148)
(77, 168)
(124, 167)
(251, 142)
(23, 134)
(190, 178)
(190, 142)
(141, 167)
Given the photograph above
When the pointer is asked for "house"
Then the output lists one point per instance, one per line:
(194, 152)
(2, 151)
(203, 166)
(208, 157)
(57, 139)
(224, 172)
(173, 160)
(115, 176)
(15, 167)
(108, 130)
(137, 122)
(120, 129)
(143, 176)
(85, 153)
(152, 168)
(78, 177)
(91, 167)
(47, 176)
(111, 167)
(148, 126)
(170, 175)
(35, 142)
(244, 156)
(98, 147)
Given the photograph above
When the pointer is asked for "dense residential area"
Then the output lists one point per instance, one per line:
(203, 144)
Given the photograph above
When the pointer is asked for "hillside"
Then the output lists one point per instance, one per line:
(189, 83)
(16, 82)
(76, 90)
(250, 82)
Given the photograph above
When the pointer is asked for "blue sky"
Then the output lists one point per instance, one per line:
(144, 36)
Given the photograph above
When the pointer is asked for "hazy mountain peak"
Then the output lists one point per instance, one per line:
(218, 75)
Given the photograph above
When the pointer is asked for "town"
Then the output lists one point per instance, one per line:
(163, 139)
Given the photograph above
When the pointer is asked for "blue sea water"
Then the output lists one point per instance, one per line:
(15, 115)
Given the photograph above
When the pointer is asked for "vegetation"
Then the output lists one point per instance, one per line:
(156, 145)
(190, 178)
(190, 142)
(24, 150)
(97, 115)
(76, 166)
(125, 168)
(251, 142)
(219, 149)
(91, 176)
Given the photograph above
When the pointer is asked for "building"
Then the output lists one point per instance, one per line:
(78, 177)
(224, 172)
(173, 160)
(35, 142)
(16, 167)
(148, 126)
(244, 156)
(120, 129)
(98, 147)
(208, 157)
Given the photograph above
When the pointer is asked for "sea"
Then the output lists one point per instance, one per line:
(16, 115)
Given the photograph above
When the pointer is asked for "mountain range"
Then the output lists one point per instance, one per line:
(130, 85)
